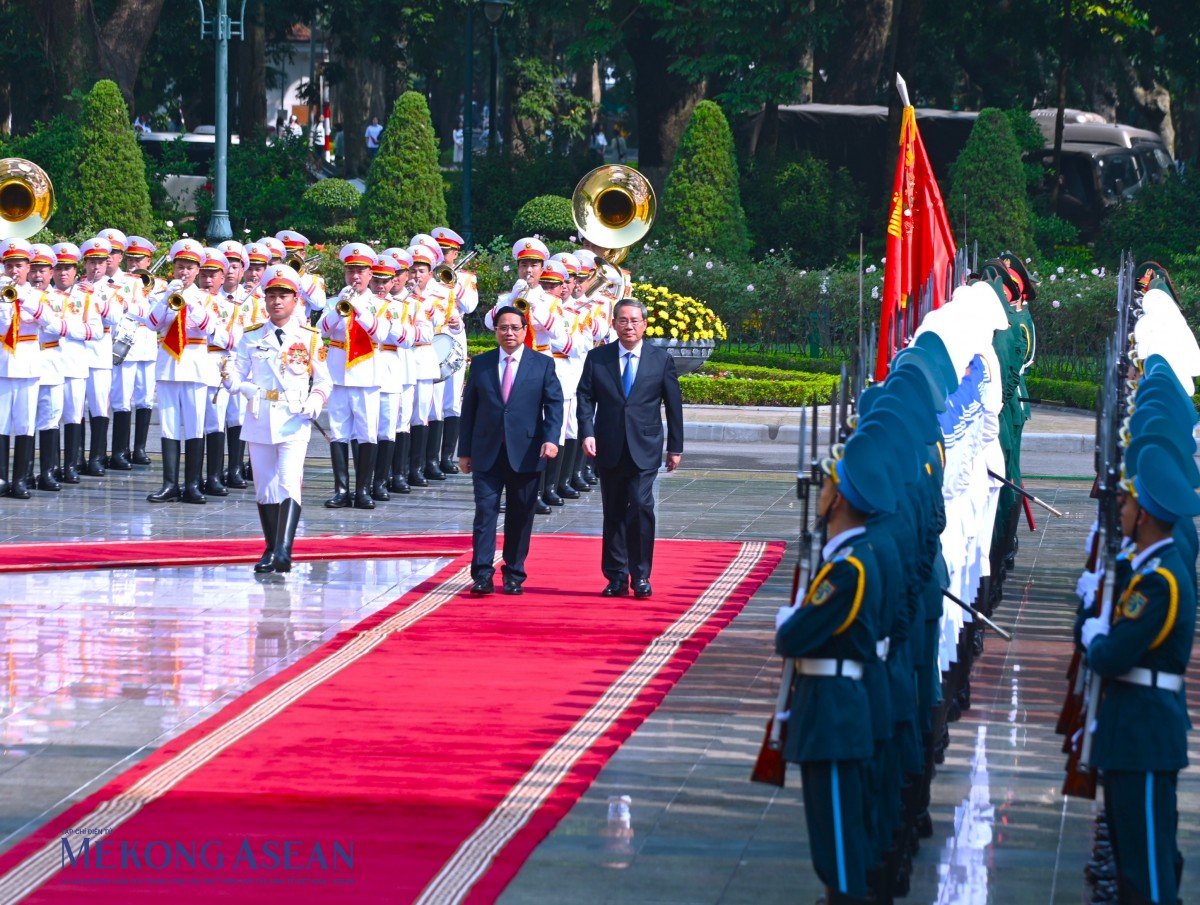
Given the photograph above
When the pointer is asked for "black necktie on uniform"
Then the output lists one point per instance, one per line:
(279, 334)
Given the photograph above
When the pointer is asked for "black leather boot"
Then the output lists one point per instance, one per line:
(141, 431)
(119, 460)
(214, 451)
(268, 517)
(433, 451)
(193, 471)
(589, 470)
(4, 465)
(18, 489)
(564, 469)
(95, 464)
(578, 479)
(548, 491)
(449, 463)
(289, 520)
(235, 477)
(339, 455)
(400, 454)
(48, 442)
(72, 441)
(364, 475)
(80, 458)
(170, 492)
(383, 465)
(539, 505)
(416, 456)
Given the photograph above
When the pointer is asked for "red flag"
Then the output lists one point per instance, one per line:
(359, 346)
(12, 335)
(920, 246)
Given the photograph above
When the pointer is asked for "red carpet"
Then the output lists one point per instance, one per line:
(420, 756)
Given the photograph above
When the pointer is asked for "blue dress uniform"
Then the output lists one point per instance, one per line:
(832, 633)
(1140, 741)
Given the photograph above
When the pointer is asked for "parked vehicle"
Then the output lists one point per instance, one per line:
(199, 149)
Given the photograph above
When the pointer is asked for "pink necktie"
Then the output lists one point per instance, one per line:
(506, 384)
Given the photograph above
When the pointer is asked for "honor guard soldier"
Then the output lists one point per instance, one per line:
(225, 311)
(142, 357)
(280, 369)
(429, 308)
(312, 285)
(1141, 728)
(349, 324)
(185, 372)
(466, 300)
(74, 354)
(107, 299)
(831, 633)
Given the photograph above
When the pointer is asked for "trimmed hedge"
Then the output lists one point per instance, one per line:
(547, 216)
(699, 390)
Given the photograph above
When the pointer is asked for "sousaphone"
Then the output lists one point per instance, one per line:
(613, 208)
(26, 198)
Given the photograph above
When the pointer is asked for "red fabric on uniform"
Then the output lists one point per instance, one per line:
(406, 750)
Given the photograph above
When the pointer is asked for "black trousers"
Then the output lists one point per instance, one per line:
(627, 493)
(520, 491)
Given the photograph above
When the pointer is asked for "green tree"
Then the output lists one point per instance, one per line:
(404, 185)
(548, 216)
(702, 206)
(989, 175)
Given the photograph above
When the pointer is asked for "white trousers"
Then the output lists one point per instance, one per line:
(181, 409)
(99, 392)
(74, 399)
(570, 430)
(389, 415)
(124, 379)
(235, 411)
(18, 406)
(447, 395)
(143, 385)
(422, 402)
(214, 412)
(49, 407)
(408, 396)
(354, 414)
(278, 469)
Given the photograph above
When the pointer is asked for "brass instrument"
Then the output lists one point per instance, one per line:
(606, 276)
(613, 208)
(447, 275)
(176, 301)
(26, 198)
(9, 293)
(304, 265)
(343, 306)
(521, 303)
(146, 275)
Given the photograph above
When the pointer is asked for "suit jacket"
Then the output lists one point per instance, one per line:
(532, 416)
(636, 422)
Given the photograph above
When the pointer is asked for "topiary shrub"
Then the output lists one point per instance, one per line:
(327, 208)
(702, 205)
(802, 206)
(989, 172)
(404, 185)
(548, 216)
(1161, 224)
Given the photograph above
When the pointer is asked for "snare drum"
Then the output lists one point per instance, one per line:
(123, 337)
(450, 355)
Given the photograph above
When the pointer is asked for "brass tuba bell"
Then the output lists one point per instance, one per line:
(613, 208)
(26, 198)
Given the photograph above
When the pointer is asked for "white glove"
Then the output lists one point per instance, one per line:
(312, 406)
(249, 390)
(175, 286)
(1092, 629)
(1086, 587)
(784, 614)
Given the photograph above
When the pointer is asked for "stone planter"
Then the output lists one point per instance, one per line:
(689, 355)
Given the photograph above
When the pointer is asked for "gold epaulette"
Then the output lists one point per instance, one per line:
(310, 328)
(255, 327)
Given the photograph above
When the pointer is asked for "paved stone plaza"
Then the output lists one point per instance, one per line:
(672, 818)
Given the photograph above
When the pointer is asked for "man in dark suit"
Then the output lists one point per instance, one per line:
(512, 413)
(620, 398)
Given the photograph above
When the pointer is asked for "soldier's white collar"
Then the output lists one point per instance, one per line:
(838, 539)
(1144, 555)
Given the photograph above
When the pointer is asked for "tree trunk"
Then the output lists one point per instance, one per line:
(1152, 99)
(857, 54)
(664, 100)
(252, 76)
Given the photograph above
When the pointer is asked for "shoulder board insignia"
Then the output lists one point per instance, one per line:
(1152, 566)
(1126, 554)
(1134, 605)
(255, 327)
(822, 592)
(841, 554)
(309, 328)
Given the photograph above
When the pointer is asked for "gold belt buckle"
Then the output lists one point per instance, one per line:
(272, 395)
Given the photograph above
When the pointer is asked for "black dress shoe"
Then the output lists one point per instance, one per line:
(483, 587)
(539, 507)
(641, 589)
(616, 588)
(512, 586)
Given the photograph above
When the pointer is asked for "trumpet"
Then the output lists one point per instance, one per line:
(176, 301)
(9, 293)
(302, 265)
(447, 275)
(342, 306)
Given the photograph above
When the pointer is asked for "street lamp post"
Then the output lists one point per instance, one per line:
(468, 125)
(494, 10)
(223, 28)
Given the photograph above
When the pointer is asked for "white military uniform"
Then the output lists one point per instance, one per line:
(275, 369)
(76, 356)
(465, 300)
(354, 401)
(20, 366)
(225, 309)
(127, 375)
(428, 314)
(395, 367)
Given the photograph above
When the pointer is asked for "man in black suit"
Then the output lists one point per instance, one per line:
(512, 413)
(620, 398)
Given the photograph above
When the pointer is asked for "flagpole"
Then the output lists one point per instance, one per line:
(902, 89)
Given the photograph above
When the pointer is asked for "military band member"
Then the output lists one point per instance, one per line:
(184, 371)
(404, 334)
(388, 369)
(107, 298)
(74, 355)
(312, 285)
(234, 292)
(278, 252)
(50, 384)
(280, 369)
(354, 400)
(224, 310)
(429, 307)
(831, 631)
(555, 283)
(133, 385)
(121, 286)
(466, 299)
(578, 325)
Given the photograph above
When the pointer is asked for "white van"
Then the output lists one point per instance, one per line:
(200, 148)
